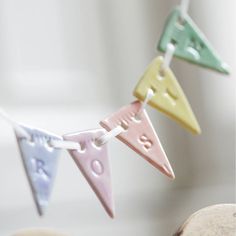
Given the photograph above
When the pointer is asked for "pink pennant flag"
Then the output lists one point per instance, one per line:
(93, 162)
(139, 135)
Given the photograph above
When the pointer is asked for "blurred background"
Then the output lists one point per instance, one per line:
(65, 65)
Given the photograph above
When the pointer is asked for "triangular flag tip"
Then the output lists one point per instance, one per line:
(139, 136)
(40, 163)
(168, 95)
(190, 43)
(41, 209)
(94, 164)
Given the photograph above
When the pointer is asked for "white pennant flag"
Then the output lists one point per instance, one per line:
(40, 162)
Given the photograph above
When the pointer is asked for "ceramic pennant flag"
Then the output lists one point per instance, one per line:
(168, 95)
(40, 162)
(94, 164)
(190, 43)
(139, 135)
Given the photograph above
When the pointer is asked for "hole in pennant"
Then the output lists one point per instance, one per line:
(174, 42)
(154, 90)
(180, 23)
(48, 144)
(96, 143)
(31, 141)
(161, 74)
(82, 147)
(137, 118)
(124, 125)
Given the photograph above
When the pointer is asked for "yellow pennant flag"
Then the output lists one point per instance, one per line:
(168, 95)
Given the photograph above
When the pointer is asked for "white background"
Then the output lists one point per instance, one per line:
(65, 65)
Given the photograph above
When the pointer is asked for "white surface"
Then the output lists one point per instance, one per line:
(52, 52)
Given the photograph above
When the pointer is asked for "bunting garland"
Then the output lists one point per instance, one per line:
(158, 88)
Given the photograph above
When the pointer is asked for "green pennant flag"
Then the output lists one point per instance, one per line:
(191, 44)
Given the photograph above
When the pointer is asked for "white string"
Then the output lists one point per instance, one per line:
(170, 49)
(184, 5)
(22, 133)
(149, 95)
(64, 144)
(70, 145)
(109, 135)
(18, 129)
(61, 144)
